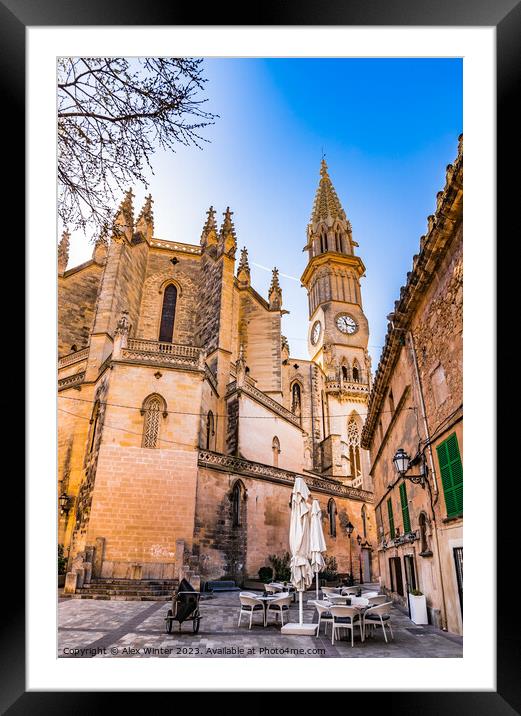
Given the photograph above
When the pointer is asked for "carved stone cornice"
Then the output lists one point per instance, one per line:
(248, 468)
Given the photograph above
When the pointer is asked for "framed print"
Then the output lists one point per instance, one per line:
(245, 273)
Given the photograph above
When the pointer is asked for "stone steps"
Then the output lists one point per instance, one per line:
(127, 589)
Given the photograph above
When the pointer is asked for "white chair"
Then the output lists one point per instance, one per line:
(249, 605)
(271, 588)
(326, 591)
(379, 615)
(279, 605)
(350, 590)
(378, 599)
(324, 615)
(359, 601)
(346, 618)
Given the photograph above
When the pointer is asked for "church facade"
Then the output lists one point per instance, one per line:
(183, 419)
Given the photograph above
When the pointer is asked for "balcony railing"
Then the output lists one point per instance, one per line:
(354, 387)
(71, 358)
(138, 344)
(140, 350)
(249, 389)
(71, 381)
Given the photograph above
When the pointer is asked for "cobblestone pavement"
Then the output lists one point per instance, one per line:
(119, 629)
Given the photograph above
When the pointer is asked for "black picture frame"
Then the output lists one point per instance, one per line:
(505, 15)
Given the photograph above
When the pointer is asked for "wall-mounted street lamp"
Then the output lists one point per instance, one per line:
(65, 503)
(403, 463)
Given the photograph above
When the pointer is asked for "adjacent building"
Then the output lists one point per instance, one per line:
(416, 404)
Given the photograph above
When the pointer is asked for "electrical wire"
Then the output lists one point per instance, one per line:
(203, 415)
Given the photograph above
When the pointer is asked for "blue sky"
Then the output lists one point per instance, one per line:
(388, 127)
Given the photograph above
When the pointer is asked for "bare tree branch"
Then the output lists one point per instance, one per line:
(113, 114)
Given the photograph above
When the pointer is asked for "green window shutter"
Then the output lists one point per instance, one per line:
(391, 517)
(405, 508)
(451, 474)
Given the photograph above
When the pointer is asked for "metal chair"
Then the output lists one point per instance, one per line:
(379, 615)
(346, 618)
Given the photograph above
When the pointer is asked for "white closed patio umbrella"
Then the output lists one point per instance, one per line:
(317, 543)
(301, 572)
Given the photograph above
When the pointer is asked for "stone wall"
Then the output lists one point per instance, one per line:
(210, 287)
(185, 276)
(260, 337)
(144, 501)
(438, 338)
(77, 294)
(265, 526)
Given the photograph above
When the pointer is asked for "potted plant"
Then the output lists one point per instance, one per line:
(418, 604)
(265, 574)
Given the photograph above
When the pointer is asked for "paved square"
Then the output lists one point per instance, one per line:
(119, 629)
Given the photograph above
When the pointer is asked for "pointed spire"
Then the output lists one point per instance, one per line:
(101, 247)
(146, 214)
(63, 252)
(275, 292)
(243, 270)
(227, 225)
(227, 234)
(326, 206)
(209, 233)
(124, 220)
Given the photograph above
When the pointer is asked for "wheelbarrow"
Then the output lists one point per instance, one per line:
(185, 608)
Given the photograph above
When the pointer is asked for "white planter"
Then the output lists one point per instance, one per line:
(418, 609)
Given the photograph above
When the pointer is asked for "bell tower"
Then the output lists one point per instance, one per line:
(338, 332)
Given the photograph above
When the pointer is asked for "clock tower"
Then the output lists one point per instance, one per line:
(338, 334)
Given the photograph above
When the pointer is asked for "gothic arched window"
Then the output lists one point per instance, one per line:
(356, 372)
(275, 448)
(353, 440)
(210, 430)
(424, 542)
(166, 330)
(236, 504)
(364, 520)
(323, 241)
(296, 396)
(345, 374)
(153, 407)
(338, 241)
(331, 512)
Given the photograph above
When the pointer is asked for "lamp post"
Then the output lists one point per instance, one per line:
(349, 530)
(359, 540)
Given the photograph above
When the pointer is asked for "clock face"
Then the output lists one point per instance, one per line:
(315, 332)
(346, 323)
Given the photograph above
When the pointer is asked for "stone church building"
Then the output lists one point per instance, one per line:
(183, 419)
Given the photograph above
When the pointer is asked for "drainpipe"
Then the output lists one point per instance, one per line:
(312, 415)
(433, 471)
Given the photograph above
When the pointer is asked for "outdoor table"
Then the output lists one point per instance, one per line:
(265, 599)
(338, 601)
